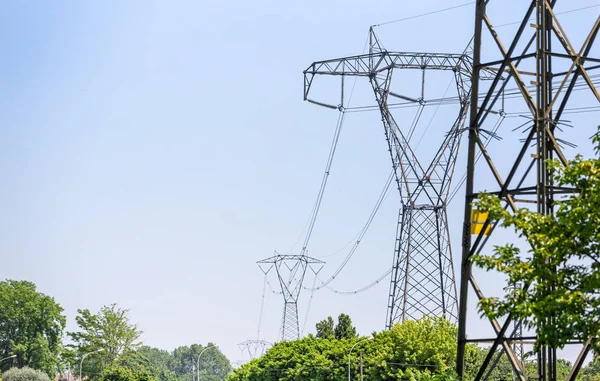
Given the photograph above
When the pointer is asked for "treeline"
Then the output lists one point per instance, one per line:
(423, 350)
(32, 336)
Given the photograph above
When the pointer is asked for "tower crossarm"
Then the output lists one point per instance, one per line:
(369, 65)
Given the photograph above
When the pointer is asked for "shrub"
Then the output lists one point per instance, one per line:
(24, 374)
(120, 373)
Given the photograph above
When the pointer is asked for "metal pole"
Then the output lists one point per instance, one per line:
(198, 361)
(83, 358)
(361, 367)
(466, 244)
(349, 352)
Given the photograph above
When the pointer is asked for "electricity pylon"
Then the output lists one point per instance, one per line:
(254, 348)
(541, 52)
(291, 270)
(422, 281)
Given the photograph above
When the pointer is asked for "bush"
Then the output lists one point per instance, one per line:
(121, 373)
(24, 374)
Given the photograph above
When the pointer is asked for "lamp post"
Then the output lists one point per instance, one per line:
(355, 344)
(83, 358)
(198, 362)
(9, 357)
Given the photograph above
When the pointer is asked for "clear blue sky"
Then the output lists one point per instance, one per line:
(152, 151)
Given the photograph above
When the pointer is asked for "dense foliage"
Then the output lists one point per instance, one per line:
(24, 374)
(109, 333)
(591, 372)
(121, 373)
(413, 350)
(562, 269)
(326, 329)
(158, 362)
(214, 366)
(31, 326)
(180, 364)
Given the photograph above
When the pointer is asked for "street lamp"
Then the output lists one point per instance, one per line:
(83, 358)
(355, 344)
(198, 362)
(9, 357)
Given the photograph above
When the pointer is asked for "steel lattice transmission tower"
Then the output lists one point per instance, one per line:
(422, 281)
(543, 66)
(254, 348)
(291, 271)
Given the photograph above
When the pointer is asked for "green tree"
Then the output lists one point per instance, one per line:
(563, 367)
(158, 362)
(414, 350)
(31, 326)
(591, 372)
(214, 365)
(344, 328)
(562, 269)
(121, 373)
(325, 328)
(108, 331)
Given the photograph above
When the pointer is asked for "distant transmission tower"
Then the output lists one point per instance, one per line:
(540, 66)
(257, 347)
(422, 281)
(291, 270)
(254, 348)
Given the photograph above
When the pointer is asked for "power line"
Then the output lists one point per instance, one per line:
(425, 14)
(557, 13)
(317, 207)
(380, 200)
(364, 288)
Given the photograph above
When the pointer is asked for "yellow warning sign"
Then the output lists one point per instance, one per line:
(478, 220)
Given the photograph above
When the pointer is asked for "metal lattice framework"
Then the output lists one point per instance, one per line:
(422, 281)
(254, 348)
(545, 57)
(291, 271)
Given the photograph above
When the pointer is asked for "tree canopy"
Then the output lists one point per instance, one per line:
(110, 332)
(214, 366)
(31, 326)
(326, 329)
(561, 271)
(180, 365)
(344, 328)
(121, 373)
(413, 350)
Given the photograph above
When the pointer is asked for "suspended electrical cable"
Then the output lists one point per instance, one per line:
(416, 120)
(312, 294)
(434, 114)
(272, 290)
(262, 306)
(424, 14)
(317, 206)
(362, 289)
(332, 150)
(364, 230)
(557, 13)
(511, 93)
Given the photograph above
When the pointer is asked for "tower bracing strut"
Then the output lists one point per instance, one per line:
(539, 61)
(422, 280)
(291, 271)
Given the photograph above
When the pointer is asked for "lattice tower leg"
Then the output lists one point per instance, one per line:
(423, 276)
